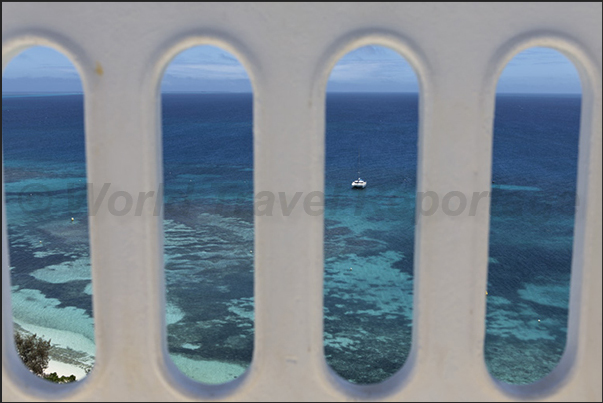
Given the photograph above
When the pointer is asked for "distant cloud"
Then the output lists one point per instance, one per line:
(207, 71)
(372, 69)
(40, 62)
(41, 84)
(539, 70)
(205, 68)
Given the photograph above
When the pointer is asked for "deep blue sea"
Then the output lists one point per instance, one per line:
(369, 234)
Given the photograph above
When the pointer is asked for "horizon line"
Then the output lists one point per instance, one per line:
(251, 92)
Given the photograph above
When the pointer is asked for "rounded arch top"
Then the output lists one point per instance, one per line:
(86, 67)
(167, 52)
(405, 47)
(582, 61)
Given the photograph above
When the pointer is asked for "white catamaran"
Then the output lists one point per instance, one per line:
(358, 183)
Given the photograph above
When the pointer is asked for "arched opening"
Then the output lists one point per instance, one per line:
(370, 186)
(534, 175)
(207, 105)
(47, 214)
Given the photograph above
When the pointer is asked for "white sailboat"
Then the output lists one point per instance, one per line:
(359, 183)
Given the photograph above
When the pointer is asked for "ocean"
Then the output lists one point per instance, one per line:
(369, 234)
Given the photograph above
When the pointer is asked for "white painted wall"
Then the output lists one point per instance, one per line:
(458, 51)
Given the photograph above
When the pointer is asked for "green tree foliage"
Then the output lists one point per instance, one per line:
(53, 377)
(35, 353)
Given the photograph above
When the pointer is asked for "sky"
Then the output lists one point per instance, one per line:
(366, 69)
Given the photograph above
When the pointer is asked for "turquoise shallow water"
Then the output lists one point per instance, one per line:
(369, 234)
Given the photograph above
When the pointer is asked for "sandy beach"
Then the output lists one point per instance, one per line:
(64, 369)
(64, 360)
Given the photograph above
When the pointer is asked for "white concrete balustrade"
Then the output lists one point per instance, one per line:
(457, 50)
